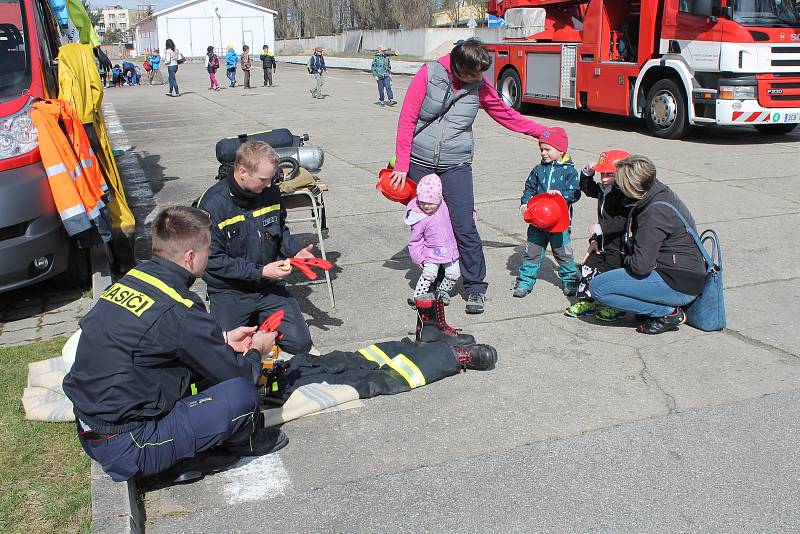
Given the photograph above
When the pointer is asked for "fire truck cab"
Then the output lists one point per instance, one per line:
(673, 63)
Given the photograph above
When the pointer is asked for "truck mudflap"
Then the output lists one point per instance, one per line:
(750, 113)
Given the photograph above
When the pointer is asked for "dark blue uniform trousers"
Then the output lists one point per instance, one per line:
(222, 413)
(457, 192)
(232, 309)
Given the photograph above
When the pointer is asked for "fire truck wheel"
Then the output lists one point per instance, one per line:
(775, 129)
(510, 89)
(665, 113)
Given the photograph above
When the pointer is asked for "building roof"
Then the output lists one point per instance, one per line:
(190, 2)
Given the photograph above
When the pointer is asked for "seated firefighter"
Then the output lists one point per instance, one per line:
(245, 276)
(155, 380)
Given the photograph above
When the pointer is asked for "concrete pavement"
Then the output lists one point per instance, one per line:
(569, 432)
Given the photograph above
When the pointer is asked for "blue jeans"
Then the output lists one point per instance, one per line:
(231, 73)
(173, 83)
(649, 295)
(385, 83)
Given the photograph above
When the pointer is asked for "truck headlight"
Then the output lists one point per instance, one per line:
(737, 92)
(18, 135)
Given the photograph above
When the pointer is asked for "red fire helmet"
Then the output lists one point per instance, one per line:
(607, 162)
(402, 195)
(548, 213)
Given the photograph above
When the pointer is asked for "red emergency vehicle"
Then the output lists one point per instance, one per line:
(674, 63)
(33, 243)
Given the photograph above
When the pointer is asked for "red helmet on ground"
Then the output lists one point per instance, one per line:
(607, 162)
(402, 195)
(548, 213)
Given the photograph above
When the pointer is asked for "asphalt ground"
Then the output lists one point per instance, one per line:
(583, 426)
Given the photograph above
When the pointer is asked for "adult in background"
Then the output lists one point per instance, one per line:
(434, 135)
(147, 345)
(382, 71)
(231, 59)
(245, 276)
(316, 67)
(663, 268)
(155, 67)
(268, 63)
(171, 60)
(247, 64)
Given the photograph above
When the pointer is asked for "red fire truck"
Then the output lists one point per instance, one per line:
(674, 63)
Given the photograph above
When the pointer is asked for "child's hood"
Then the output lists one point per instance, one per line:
(566, 160)
(413, 215)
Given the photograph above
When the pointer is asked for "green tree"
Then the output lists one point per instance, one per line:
(113, 37)
(95, 16)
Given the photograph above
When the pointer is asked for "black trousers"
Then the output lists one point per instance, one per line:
(232, 309)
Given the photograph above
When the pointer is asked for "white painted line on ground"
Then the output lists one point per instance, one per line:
(255, 479)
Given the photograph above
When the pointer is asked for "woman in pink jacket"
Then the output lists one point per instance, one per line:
(432, 242)
(434, 135)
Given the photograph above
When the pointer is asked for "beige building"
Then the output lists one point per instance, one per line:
(117, 18)
(460, 13)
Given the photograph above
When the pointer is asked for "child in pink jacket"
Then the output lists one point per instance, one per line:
(432, 242)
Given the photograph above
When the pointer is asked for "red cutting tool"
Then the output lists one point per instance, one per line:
(270, 324)
(305, 264)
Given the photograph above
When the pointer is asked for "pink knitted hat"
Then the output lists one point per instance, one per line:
(429, 189)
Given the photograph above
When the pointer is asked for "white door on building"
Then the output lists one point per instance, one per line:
(247, 39)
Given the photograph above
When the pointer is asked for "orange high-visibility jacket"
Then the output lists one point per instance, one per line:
(72, 168)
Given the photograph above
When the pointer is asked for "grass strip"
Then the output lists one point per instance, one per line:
(44, 474)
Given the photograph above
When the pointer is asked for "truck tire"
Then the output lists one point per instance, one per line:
(775, 129)
(665, 113)
(79, 269)
(510, 89)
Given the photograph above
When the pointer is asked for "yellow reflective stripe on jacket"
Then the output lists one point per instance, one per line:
(400, 363)
(158, 284)
(414, 374)
(228, 222)
(266, 209)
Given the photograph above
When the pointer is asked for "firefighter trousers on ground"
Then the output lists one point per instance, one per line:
(223, 413)
(72, 169)
(379, 369)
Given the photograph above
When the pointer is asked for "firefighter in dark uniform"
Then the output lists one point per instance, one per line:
(148, 346)
(248, 236)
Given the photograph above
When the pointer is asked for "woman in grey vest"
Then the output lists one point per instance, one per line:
(434, 135)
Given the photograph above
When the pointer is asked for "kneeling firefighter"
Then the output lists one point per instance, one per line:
(155, 380)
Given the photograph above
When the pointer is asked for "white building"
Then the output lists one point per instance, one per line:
(197, 24)
(116, 18)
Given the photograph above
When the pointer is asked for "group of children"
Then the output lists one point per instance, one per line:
(232, 59)
(432, 243)
(125, 74)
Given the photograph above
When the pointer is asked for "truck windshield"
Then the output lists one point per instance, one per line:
(769, 13)
(15, 65)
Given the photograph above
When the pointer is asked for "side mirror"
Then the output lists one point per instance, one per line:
(701, 8)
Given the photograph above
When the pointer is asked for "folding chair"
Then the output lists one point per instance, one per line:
(311, 198)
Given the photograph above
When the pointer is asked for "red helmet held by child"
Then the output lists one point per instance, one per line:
(402, 195)
(607, 162)
(548, 213)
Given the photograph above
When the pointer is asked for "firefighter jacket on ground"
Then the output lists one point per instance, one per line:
(72, 168)
(248, 231)
(79, 83)
(143, 345)
(379, 369)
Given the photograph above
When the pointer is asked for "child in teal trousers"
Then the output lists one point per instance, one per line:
(555, 175)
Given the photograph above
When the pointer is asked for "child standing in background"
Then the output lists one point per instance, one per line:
(555, 175)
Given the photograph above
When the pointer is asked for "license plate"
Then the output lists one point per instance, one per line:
(791, 117)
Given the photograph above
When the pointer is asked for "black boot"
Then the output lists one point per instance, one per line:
(190, 469)
(659, 325)
(432, 326)
(476, 356)
(263, 441)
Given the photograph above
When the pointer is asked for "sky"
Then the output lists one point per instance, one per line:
(132, 4)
